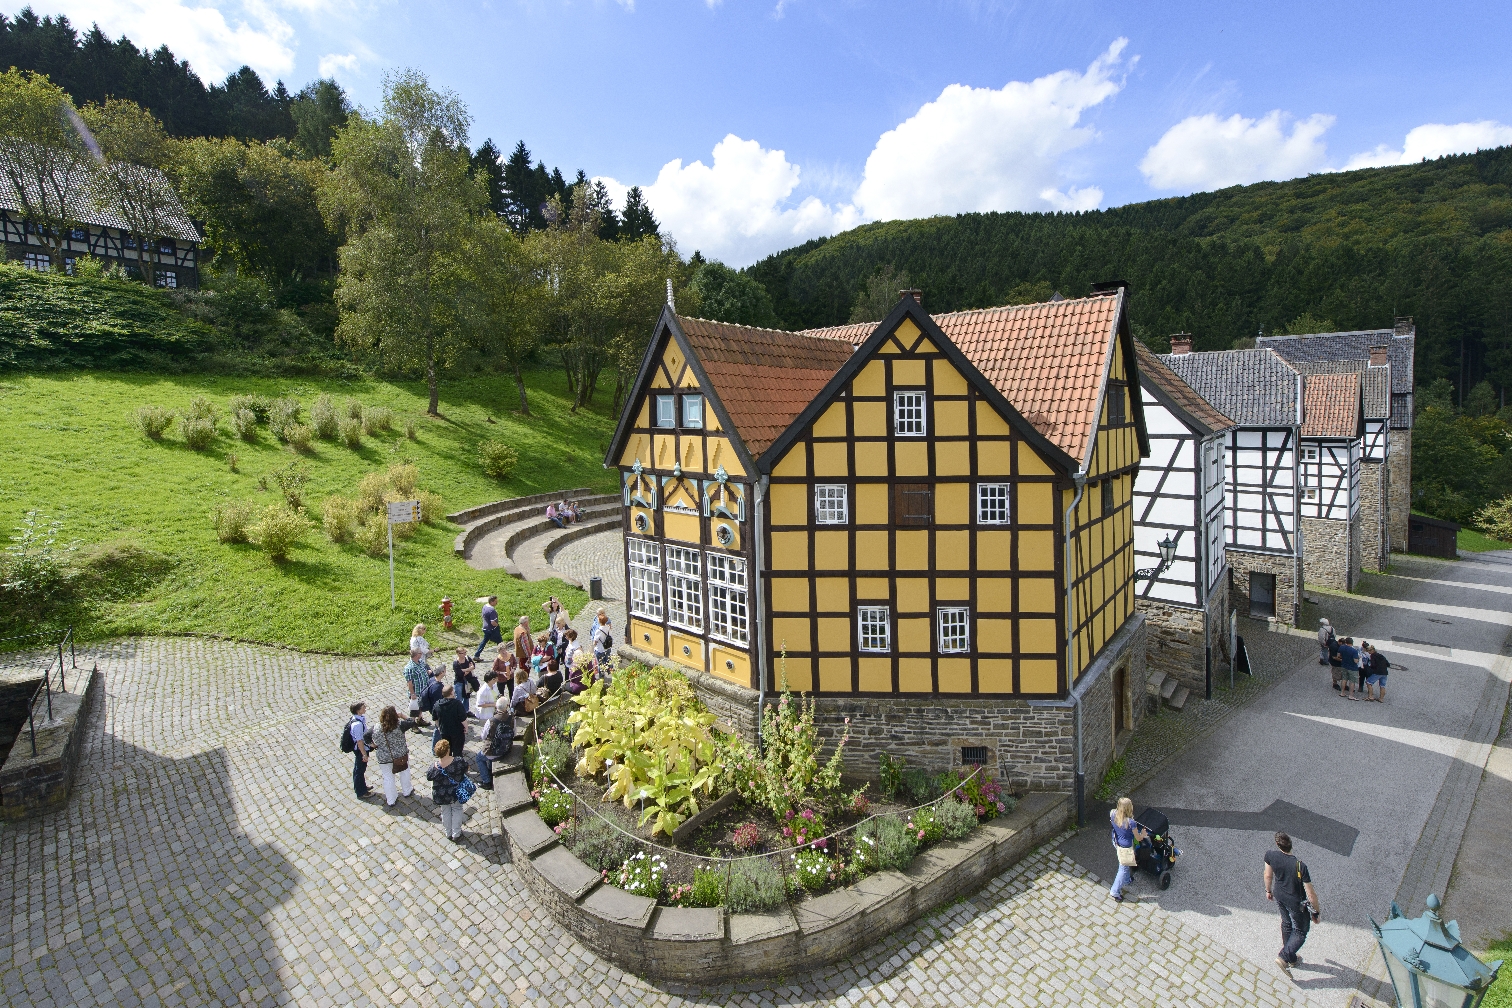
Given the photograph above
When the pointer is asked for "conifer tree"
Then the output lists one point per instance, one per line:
(519, 189)
(637, 222)
(486, 165)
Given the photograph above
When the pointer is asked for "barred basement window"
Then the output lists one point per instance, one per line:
(829, 504)
(165, 278)
(955, 634)
(684, 588)
(908, 414)
(645, 578)
(992, 504)
(973, 755)
(727, 597)
(873, 623)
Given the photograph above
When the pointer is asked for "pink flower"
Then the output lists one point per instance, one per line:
(821, 844)
(1002, 807)
(921, 834)
(980, 810)
(789, 814)
(787, 831)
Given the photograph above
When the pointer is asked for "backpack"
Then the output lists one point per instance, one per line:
(348, 744)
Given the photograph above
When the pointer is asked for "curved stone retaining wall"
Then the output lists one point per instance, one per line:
(702, 945)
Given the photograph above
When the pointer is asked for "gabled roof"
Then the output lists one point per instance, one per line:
(1376, 382)
(1353, 345)
(84, 203)
(1049, 360)
(1175, 394)
(1254, 388)
(1332, 406)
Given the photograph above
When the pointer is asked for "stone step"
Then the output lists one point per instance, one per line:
(515, 512)
(1178, 698)
(473, 514)
(1169, 687)
(533, 557)
(1156, 683)
(500, 546)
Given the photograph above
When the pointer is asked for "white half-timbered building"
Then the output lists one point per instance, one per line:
(1262, 394)
(1179, 498)
(1328, 467)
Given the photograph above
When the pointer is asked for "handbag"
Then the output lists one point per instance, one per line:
(1125, 856)
(465, 789)
(400, 764)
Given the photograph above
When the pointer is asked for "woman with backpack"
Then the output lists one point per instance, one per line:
(603, 636)
(447, 776)
(1325, 634)
(392, 751)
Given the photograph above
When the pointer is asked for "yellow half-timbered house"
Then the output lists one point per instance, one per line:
(885, 515)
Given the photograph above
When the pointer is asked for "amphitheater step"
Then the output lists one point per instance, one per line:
(473, 514)
(505, 546)
(533, 557)
(473, 531)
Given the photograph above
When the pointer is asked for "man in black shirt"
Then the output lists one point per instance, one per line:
(1288, 883)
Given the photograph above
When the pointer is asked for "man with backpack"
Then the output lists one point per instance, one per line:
(1289, 884)
(430, 696)
(354, 740)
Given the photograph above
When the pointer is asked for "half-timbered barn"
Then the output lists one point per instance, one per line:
(1181, 580)
(1262, 394)
(1328, 478)
(100, 230)
(1389, 348)
(927, 523)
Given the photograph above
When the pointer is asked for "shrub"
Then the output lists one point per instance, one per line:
(805, 827)
(409, 430)
(122, 570)
(260, 406)
(747, 837)
(754, 886)
(199, 434)
(641, 875)
(278, 530)
(499, 460)
(338, 516)
(351, 433)
(378, 419)
(926, 825)
(920, 786)
(894, 844)
(813, 869)
(554, 805)
(35, 565)
(789, 773)
(153, 421)
(291, 480)
(432, 508)
(354, 410)
(956, 818)
(403, 477)
(371, 490)
(232, 521)
(890, 774)
(232, 460)
(244, 421)
(983, 794)
(201, 408)
(283, 414)
(324, 419)
(371, 537)
(599, 845)
(300, 436)
(1495, 519)
(554, 750)
(707, 889)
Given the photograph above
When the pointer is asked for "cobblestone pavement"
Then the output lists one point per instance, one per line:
(213, 853)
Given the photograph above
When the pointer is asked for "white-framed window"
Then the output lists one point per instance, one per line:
(728, 615)
(684, 588)
(955, 629)
(165, 278)
(1214, 463)
(1309, 488)
(1309, 454)
(992, 504)
(692, 413)
(830, 504)
(37, 261)
(645, 577)
(908, 414)
(874, 623)
(666, 411)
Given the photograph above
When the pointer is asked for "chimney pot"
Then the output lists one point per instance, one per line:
(915, 293)
(1404, 326)
(1181, 343)
(1378, 356)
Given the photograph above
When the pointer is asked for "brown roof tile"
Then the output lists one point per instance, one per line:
(763, 377)
(1331, 406)
(1376, 382)
(1178, 391)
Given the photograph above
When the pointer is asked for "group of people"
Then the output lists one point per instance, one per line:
(564, 512)
(526, 672)
(1356, 670)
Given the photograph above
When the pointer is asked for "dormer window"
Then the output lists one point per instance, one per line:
(693, 412)
(666, 411)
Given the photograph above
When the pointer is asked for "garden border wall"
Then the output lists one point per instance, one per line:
(704, 945)
(31, 785)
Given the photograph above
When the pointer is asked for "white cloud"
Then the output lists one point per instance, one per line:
(214, 42)
(332, 62)
(738, 208)
(1206, 152)
(1434, 140)
(977, 149)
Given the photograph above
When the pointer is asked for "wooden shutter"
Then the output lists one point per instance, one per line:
(913, 503)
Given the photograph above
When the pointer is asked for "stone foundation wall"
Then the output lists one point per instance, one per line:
(1178, 637)
(33, 784)
(1372, 516)
(1331, 554)
(1399, 491)
(1284, 567)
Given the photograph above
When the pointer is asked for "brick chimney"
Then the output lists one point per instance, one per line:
(1181, 343)
(1378, 356)
(1404, 326)
(916, 294)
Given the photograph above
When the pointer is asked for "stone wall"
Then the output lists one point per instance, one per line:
(1284, 567)
(1178, 640)
(1399, 494)
(1331, 552)
(33, 784)
(1372, 515)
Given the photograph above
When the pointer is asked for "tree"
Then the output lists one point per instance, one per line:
(402, 190)
(131, 182)
(1481, 401)
(249, 111)
(319, 110)
(879, 294)
(637, 221)
(505, 292)
(728, 296)
(1029, 293)
(43, 157)
(485, 164)
(1306, 324)
(519, 189)
(609, 222)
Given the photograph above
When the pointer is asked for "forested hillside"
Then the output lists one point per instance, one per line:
(1354, 249)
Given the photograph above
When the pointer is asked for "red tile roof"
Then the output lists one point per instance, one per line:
(1178, 391)
(1331, 406)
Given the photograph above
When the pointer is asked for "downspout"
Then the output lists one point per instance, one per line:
(760, 583)
(1080, 479)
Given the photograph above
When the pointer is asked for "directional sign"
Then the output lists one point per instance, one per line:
(404, 511)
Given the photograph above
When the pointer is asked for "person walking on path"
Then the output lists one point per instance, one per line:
(1126, 836)
(1289, 884)
(1379, 667)
(492, 634)
(464, 677)
(523, 645)
(445, 774)
(1349, 667)
(392, 751)
(451, 720)
(1325, 634)
(416, 677)
(357, 728)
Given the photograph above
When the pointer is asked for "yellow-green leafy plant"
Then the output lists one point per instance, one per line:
(371, 536)
(1495, 519)
(432, 507)
(278, 530)
(338, 517)
(232, 521)
(403, 477)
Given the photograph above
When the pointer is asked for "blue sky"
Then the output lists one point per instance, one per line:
(756, 125)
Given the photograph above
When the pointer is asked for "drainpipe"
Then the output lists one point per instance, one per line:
(759, 582)
(1080, 478)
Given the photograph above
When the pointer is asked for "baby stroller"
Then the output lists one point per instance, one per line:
(1157, 854)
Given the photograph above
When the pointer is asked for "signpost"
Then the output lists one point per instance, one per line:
(401, 512)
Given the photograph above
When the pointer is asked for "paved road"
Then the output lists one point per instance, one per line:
(1377, 795)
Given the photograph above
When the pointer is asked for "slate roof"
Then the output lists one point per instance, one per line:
(763, 377)
(1047, 359)
(1354, 345)
(1255, 388)
(1154, 373)
(87, 207)
(1376, 382)
(1332, 405)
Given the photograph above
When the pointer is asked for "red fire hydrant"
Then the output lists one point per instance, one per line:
(446, 608)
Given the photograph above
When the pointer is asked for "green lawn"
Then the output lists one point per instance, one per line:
(1478, 542)
(1500, 994)
(70, 448)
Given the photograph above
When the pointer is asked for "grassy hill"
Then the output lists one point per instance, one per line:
(1431, 240)
(140, 508)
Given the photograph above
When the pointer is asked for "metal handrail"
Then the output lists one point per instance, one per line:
(45, 686)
